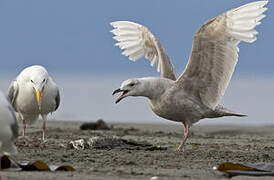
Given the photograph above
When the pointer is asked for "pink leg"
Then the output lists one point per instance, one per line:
(24, 128)
(44, 127)
(186, 135)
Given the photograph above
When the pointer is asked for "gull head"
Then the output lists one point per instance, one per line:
(130, 87)
(38, 77)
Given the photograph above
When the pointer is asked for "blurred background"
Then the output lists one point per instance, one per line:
(72, 40)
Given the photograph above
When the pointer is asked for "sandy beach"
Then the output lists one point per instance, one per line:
(144, 151)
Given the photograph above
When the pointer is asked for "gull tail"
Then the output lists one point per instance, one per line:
(222, 111)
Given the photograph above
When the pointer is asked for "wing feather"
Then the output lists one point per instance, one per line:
(215, 51)
(13, 92)
(137, 42)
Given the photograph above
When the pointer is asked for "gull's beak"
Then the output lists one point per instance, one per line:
(116, 91)
(122, 96)
(39, 95)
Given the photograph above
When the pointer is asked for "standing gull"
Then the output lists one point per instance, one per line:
(8, 126)
(34, 92)
(196, 94)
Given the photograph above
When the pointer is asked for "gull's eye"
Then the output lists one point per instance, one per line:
(131, 84)
(31, 81)
(44, 80)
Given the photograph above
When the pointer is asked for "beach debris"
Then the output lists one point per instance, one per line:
(111, 142)
(8, 163)
(154, 178)
(77, 144)
(98, 125)
(256, 169)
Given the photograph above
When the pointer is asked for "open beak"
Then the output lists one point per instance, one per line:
(122, 96)
(39, 95)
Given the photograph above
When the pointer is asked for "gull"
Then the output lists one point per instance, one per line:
(32, 93)
(8, 126)
(197, 92)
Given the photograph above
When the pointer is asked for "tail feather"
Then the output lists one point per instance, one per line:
(222, 111)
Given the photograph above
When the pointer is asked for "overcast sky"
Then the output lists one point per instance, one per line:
(73, 35)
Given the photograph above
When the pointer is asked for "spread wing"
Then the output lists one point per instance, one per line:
(215, 51)
(12, 92)
(137, 42)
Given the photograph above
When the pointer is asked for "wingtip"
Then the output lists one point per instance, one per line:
(261, 3)
(241, 115)
(265, 2)
(113, 24)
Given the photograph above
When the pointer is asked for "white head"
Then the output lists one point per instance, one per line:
(37, 77)
(130, 87)
(150, 87)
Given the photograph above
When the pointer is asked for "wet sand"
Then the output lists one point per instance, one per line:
(147, 153)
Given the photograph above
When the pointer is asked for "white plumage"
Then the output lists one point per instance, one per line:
(32, 93)
(137, 42)
(8, 126)
(196, 94)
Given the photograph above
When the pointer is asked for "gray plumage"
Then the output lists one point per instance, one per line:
(12, 92)
(196, 94)
(14, 125)
(8, 126)
(32, 93)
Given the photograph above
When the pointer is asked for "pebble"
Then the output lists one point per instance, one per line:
(154, 178)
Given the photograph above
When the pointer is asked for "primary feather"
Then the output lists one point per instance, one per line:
(215, 51)
(137, 42)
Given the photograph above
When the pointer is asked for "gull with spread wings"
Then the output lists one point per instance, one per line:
(196, 94)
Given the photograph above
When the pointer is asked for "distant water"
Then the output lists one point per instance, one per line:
(88, 98)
